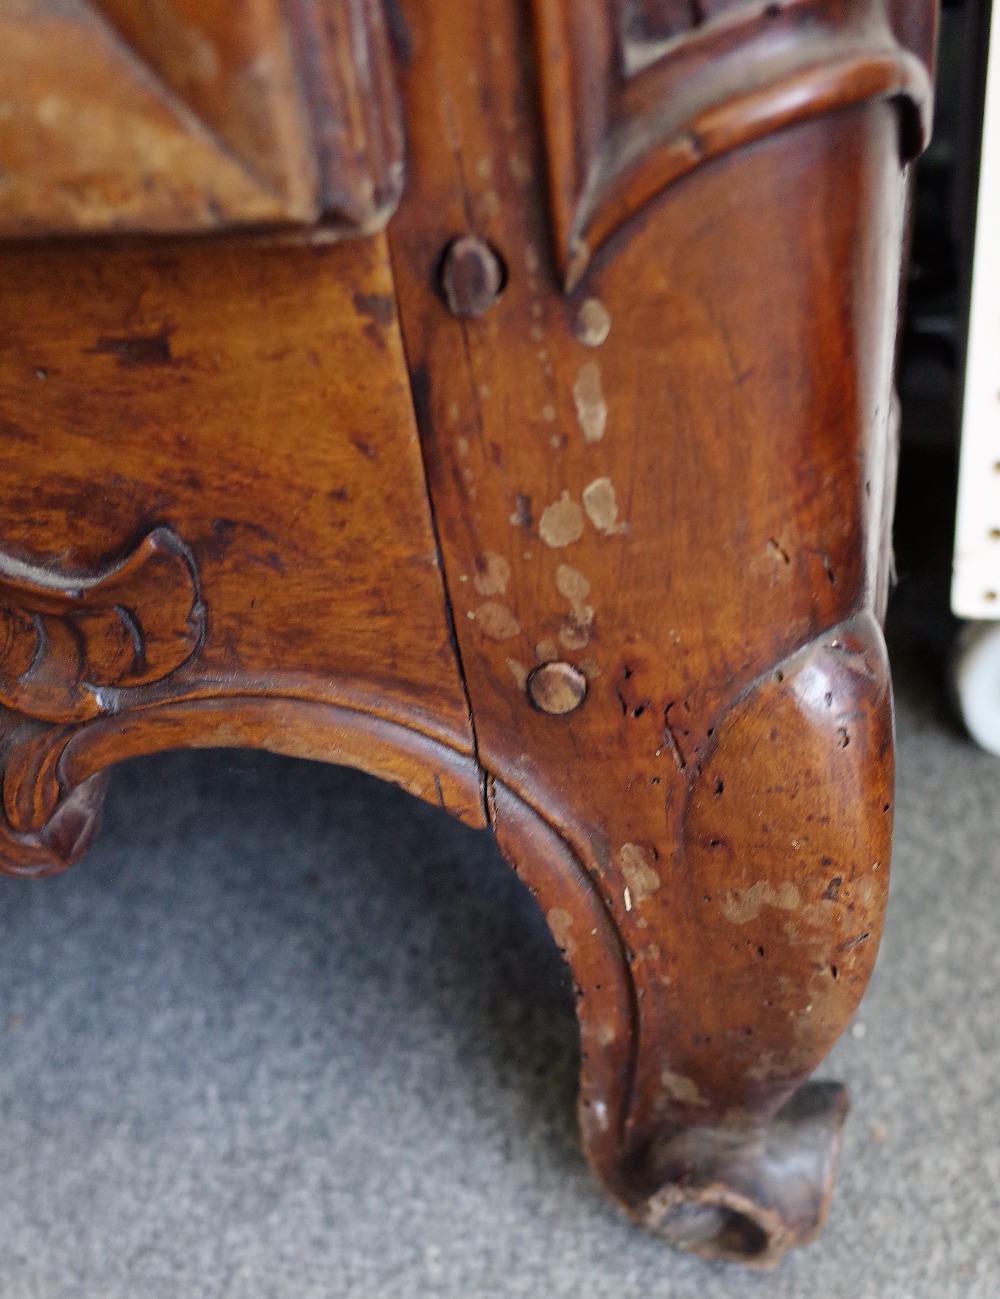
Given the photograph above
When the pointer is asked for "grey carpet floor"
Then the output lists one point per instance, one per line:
(289, 1033)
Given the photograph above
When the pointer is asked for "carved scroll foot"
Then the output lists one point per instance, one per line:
(63, 839)
(715, 972)
(742, 1184)
(748, 1194)
(75, 648)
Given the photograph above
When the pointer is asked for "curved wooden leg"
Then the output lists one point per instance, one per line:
(711, 985)
(660, 466)
(748, 1194)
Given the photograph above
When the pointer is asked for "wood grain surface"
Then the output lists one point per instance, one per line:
(674, 481)
(565, 504)
(182, 115)
(253, 400)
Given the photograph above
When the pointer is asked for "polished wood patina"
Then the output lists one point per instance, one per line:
(543, 466)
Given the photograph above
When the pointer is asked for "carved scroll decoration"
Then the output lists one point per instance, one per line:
(92, 673)
(169, 116)
(73, 648)
(636, 93)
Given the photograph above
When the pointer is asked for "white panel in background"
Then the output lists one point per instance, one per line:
(975, 590)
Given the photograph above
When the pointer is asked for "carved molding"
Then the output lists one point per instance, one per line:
(176, 115)
(72, 648)
(606, 996)
(637, 93)
(54, 776)
(346, 57)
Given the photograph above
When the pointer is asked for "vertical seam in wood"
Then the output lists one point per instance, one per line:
(449, 611)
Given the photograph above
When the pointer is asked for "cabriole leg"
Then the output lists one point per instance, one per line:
(659, 449)
(710, 990)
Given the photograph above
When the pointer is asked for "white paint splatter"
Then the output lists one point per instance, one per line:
(561, 523)
(602, 507)
(588, 398)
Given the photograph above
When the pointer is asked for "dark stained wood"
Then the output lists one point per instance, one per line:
(620, 599)
(184, 115)
(707, 1178)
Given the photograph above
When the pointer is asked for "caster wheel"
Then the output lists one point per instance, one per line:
(975, 674)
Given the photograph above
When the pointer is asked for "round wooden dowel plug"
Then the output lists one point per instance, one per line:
(472, 276)
(557, 687)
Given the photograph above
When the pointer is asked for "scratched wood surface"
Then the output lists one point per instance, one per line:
(673, 483)
(565, 504)
(253, 401)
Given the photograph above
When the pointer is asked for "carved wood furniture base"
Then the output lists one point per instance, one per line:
(748, 1194)
(563, 503)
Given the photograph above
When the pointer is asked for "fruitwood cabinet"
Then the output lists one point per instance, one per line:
(496, 397)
